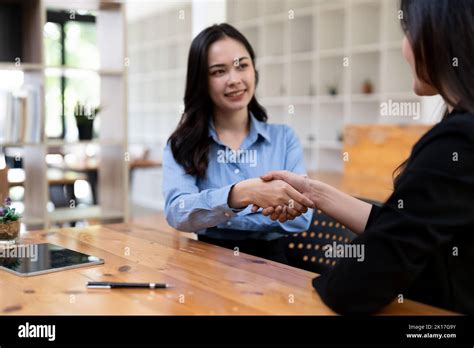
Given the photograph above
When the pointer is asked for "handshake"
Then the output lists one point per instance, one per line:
(281, 194)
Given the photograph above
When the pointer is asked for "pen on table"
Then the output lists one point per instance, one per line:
(114, 285)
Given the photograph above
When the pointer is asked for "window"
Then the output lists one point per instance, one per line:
(70, 42)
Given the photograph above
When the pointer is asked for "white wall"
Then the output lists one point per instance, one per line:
(207, 13)
(138, 9)
(159, 36)
(158, 48)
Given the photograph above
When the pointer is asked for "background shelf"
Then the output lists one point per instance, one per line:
(301, 82)
(301, 122)
(331, 75)
(298, 59)
(302, 60)
(32, 178)
(365, 112)
(365, 18)
(273, 80)
(393, 30)
(330, 122)
(271, 30)
(397, 73)
(301, 34)
(271, 7)
(331, 29)
(365, 66)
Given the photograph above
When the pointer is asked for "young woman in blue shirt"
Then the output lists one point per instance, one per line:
(213, 160)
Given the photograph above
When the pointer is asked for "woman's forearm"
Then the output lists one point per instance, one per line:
(240, 195)
(349, 211)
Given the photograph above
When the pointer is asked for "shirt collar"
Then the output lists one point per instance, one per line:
(259, 127)
(256, 128)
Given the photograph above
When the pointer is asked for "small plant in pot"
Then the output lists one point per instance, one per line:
(9, 223)
(85, 115)
(367, 87)
(332, 90)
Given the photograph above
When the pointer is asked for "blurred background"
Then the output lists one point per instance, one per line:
(91, 90)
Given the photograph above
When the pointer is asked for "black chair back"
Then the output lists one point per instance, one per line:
(308, 249)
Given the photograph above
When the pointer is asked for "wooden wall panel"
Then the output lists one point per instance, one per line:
(374, 151)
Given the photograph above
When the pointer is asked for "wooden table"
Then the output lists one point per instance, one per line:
(207, 279)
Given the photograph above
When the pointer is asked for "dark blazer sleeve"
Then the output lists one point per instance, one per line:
(431, 203)
(373, 213)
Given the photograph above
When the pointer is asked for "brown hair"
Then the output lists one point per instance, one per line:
(441, 34)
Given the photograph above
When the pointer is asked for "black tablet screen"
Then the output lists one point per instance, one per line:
(32, 259)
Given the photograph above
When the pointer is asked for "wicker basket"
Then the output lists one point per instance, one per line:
(9, 231)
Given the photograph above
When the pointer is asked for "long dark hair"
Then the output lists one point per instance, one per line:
(190, 141)
(441, 34)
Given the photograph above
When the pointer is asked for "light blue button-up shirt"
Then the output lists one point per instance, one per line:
(195, 204)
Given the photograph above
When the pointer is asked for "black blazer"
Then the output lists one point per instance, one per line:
(420, 243)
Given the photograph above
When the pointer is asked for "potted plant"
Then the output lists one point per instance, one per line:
(332, 90)
(340, 135)
(9, 223)
(85, 115)
(367, 87)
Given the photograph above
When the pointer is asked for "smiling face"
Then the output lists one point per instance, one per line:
(231, 75)
(420, 87)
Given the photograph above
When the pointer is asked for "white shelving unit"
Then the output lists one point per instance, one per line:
(159, 42)
(158, 49)
(302, 49)
(112, 142)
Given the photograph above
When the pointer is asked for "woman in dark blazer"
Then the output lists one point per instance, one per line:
(420, 243)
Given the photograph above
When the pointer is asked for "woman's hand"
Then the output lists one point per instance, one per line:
(347, 210)
(299, 182)
(268, 194)
(281, 213)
